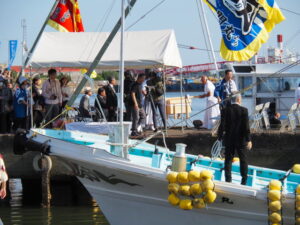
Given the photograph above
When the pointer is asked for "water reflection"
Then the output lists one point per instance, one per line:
(16, 213)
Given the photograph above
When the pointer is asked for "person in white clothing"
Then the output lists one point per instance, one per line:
(51, 91)
(3, 178)
(212, 108)
(66, 90)
(297, 94)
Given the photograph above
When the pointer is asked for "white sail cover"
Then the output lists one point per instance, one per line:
(143, 49)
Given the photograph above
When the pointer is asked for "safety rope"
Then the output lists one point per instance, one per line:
(143, 16)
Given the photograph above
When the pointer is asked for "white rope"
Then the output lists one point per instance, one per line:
(216, 150)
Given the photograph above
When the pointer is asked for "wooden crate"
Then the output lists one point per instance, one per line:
(175, 109)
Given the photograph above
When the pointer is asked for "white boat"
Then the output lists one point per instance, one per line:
(131, 191)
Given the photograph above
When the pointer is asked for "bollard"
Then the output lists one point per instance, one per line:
(44, 164)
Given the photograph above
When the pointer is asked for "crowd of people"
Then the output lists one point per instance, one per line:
(48, 100)
(143, 96)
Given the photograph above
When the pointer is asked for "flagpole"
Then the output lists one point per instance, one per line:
(99, 55)
(28, 57)
(209, 37)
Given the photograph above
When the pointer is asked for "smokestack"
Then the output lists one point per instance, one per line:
(279, 41)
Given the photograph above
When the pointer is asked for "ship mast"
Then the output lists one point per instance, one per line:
(209, 37)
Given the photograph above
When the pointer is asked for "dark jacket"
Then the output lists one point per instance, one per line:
(102, 101)
(157, 90)
(111, 97)
(234, 128)
(6, 99)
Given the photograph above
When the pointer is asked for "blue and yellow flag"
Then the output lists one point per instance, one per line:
(245, 25)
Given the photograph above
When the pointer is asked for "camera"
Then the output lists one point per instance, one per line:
(53, 97)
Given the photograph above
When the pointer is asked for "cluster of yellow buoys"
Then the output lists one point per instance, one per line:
(274, 197)
(297, 206)
(192, 189)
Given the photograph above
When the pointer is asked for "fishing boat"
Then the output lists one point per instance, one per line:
(132, 188)
(129, 178)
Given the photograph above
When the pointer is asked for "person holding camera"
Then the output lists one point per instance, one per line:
(53, 97)
(156, 94)
(137, 110)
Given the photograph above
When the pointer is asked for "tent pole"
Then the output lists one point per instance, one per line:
(209, 38)
(28, 57)
(165, 98)
(99, 55)
(181, 101)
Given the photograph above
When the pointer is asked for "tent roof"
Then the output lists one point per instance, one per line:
(142, 49)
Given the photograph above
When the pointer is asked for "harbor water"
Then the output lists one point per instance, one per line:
(15, 212)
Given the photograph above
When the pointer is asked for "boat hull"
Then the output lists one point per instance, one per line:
(137, 199)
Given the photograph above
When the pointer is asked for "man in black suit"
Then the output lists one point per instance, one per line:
(235, 132)
(111, 99)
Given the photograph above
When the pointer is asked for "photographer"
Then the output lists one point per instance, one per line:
(53, 97)
(128, 83)
(156, 91)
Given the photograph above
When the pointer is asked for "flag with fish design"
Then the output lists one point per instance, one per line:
(245, 25)
(66, 17)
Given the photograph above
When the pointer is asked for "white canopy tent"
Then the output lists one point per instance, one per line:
(142, 49)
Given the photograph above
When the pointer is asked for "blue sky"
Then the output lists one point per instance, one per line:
(180, 15)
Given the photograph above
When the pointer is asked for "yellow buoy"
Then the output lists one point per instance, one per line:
(173, 199)
(298, 198)
(275, 217)
(194, 176)
(298, 189)
(296, 168)
(184, 190)
(235, 159)
(199, 203)
(275, 185)
(205, 175)
(183, 177)
(207, 185)
(210, 196)
(274, 195)
(173, 187)
(172, 177)
(186, 204)
(275, 206)
(297, 222)
(196, 189)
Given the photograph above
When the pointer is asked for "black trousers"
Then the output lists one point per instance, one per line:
(229, 155)
(112, 115)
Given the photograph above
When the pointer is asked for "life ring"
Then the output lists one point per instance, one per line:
(37, 164)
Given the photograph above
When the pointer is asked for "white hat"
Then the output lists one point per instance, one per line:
(87, 89)
(22, 79)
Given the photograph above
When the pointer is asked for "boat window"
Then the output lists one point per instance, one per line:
(269, 85)
(244, 82)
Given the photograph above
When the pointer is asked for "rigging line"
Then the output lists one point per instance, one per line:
(202, 26)
(194, 48)
(290, 11)
(102, 22)
(143, 16)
